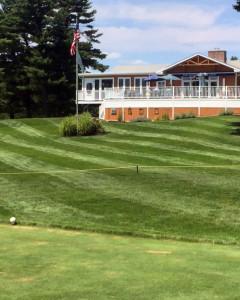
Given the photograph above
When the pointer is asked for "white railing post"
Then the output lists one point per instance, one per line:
(173, 110)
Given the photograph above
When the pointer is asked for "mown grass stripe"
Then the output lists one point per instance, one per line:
(175, 148)
(62, 153)
(23, 128)
(165, 158)
(211, 144)
(118, 168)
(180, 129)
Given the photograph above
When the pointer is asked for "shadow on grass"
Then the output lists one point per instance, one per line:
(235, 128)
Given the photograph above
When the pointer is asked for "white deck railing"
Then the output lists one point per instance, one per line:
(181, 92)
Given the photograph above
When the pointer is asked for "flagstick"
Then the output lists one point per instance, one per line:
(77, 82)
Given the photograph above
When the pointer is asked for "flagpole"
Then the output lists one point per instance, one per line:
(77, 78)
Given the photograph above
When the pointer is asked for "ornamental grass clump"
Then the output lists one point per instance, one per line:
(191, 114)
(183, 115)
(86, 125)
(141, 119)
(164, 117)
(227, 112)
(68, 126)
(120, 118)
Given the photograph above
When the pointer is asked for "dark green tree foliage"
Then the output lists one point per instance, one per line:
(237, 5)
(36, 70)
(10, 57)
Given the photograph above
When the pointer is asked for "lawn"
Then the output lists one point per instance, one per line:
(177, 194)
(173, 227)
(37, 263)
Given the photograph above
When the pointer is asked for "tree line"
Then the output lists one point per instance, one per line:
(37, 73)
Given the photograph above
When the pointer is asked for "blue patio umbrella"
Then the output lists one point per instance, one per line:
(169, 77)
(152, 78)
(202, 78)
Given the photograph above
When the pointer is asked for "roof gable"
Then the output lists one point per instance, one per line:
(199, 63)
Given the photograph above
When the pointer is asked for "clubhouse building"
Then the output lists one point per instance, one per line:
(203, 84)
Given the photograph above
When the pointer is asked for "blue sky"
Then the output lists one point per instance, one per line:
(165, 31)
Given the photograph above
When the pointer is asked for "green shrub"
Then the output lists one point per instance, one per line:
(68, 126)
(227, 112)
(158, 119)
(183, 115)
(191, 114)
(120, 117)
(177, 117)
(221, 113)
(4, 116)
(86, 125)
(141, 119)
(165, 117)
(99, 125)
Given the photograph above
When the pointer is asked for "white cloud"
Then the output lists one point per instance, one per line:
(138, 62)
(160, 13)
(169, 38)
(140, 30)
(114, 55)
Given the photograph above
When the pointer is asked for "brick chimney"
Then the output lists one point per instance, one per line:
(218, 54)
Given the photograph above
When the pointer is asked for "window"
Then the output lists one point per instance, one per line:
(113, 111)
(139, 82)
(89, 87)
(156, 111)
(140, 86)
(107, 83)
(120, 83)
(127, 82)
(124, 83)
(140, 111)
(97, 84)
(129, 111)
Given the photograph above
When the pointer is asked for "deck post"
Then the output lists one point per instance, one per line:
(235, 89)
(148, 93)
(173, 113)
(147, 107)
(199, 107)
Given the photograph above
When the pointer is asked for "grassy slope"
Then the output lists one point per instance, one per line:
(182, 203)
(53, 264)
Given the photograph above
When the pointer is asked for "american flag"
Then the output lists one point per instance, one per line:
(75, 39)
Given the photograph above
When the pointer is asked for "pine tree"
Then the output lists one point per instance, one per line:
(37, 69)
(237, 5)
(11, 53)
(64, 64)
